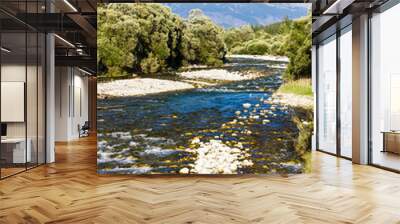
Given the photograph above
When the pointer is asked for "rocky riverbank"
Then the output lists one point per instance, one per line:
(261, 57)
(293, 100)
(139, 86)
(189, 80)
(219, 75)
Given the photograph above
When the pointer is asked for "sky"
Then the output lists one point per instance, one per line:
(238, 14)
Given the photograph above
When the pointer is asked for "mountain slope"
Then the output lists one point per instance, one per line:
(238, 14)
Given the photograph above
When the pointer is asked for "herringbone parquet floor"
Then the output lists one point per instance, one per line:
(70, 191)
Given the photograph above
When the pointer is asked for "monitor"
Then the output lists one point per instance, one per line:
(3, 129)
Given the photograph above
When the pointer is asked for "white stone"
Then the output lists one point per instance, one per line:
(266, 121)
(217, 74)
(247, 105)
(139, 86)
(184, 171)
(195, 140)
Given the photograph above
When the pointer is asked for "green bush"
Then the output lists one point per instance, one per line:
(298, 50)
(291, 38)
(149, 38)
(258, 47)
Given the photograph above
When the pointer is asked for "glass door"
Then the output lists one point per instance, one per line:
(385, 89)
(346, 92)
(327, 95)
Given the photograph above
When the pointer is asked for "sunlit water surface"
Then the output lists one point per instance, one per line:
(154, 133)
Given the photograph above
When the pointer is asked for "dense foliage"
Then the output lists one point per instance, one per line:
(298, 50)
(148, 38)
(287, 38)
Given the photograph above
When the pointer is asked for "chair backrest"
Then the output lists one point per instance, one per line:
(86, 125)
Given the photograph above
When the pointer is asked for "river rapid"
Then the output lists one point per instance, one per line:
(228, 128)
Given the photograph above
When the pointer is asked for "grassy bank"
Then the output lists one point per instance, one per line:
(300, 87)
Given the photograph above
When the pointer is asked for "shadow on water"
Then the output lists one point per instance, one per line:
(164, 133)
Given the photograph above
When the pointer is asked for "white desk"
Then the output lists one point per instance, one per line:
(19, 153)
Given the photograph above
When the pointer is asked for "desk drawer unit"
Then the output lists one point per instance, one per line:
(392, 142)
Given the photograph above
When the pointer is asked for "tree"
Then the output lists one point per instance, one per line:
(149, 38)
(298, 50)
(138, 37)
(237, 36)
(115, 51)
(202, 40)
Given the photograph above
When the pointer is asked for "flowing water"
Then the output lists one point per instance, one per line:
(205, 130)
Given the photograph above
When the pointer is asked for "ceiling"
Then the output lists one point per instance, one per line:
(73, 21)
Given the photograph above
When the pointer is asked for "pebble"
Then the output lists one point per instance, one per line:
(247, 105)
(195, 140)
(266, 121)
(133, 144)
(184, 171)
(215, 157)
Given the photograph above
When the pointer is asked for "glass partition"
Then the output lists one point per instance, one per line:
(41, 97)
(385, 89)
(22, 77)
(32, 98)
(346, 92)
(327, 95)
(14, 153)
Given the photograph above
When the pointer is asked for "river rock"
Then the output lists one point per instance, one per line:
(184, 170)
(215, 157)
(246, 105)
(195, 140)
(133, 144)
(266, 121)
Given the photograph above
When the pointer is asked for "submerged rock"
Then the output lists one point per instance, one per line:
(127, 170)
(266, 121)
(121, 135)
(246, 105)
(157, 151)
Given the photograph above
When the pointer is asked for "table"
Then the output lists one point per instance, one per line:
(391, 141)
(13, 150)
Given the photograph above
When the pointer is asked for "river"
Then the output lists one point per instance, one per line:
(230, 128)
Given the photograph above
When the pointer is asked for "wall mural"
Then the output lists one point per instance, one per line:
(204, 88)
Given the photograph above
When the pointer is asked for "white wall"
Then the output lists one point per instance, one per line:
(12, 73)
(71, 102)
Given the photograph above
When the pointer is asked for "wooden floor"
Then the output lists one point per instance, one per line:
(387, 159)
(70, 191)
